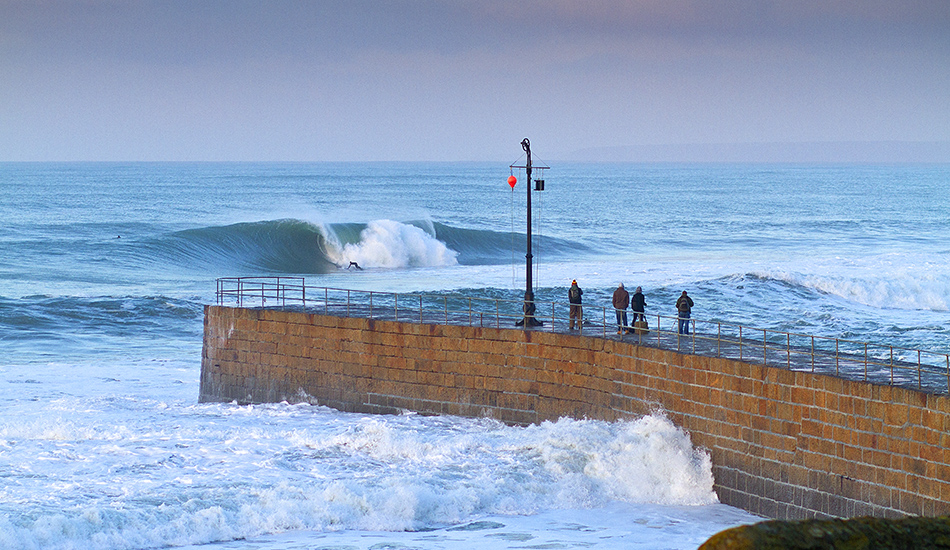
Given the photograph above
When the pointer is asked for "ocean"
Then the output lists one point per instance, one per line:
(105, 269)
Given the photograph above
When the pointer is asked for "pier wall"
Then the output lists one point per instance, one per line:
(785, 445)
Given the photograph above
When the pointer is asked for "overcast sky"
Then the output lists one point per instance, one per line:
(462, 80)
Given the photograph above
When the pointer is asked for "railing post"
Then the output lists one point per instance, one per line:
(445, 306)
(865, 361)
(765, 349)
(836, 356)
(740, 342)
(692, 338)
(919, 375)
(788, 350)
(326, 301)
(469, 312)
(396, 307)
(813, 354)
(892, 365)
(719, 339)
(347, 303)
(420, 310)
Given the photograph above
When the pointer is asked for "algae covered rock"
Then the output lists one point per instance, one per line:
(836, 534)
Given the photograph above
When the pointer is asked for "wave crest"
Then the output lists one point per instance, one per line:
(302, 247)
(389, 244)
(907, 290)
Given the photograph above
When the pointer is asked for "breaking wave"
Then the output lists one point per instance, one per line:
(308, 469)
(296, 246)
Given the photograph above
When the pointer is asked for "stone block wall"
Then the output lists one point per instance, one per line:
(785, 445)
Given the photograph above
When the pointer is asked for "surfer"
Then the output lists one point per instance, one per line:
(356, 265)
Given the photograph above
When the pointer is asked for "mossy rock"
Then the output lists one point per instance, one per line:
(836, 534)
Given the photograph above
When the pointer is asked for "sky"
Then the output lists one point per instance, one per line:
(457, 80)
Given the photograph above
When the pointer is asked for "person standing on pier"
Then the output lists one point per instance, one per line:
(684, 306)
(621, 301)
(574, 297)
(638, 304)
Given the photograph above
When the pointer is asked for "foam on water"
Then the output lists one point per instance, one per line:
(618, 526)
(391, 244)
(128, 473)
(887, 283)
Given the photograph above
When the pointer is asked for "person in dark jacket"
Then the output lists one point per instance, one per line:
(621, 300)
(638, 303)
(684, 306)
(574, 297)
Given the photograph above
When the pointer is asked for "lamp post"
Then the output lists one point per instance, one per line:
(529, 319)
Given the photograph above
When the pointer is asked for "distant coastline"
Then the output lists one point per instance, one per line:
(822, 152)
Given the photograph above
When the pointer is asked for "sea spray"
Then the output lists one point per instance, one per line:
(645, 460)
(391, 244)
(317, 469)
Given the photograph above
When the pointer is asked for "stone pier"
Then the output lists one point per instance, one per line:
(784, 444)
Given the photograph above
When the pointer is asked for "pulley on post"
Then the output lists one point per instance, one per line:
(529, 319)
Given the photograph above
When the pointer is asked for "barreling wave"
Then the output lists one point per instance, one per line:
(279, 246)
(296, 246)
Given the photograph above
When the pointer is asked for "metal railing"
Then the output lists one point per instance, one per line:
(849, 359)
(267, 291)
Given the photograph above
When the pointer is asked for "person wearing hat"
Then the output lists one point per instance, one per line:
(638, 304)
(621, 300)
(574, 297)
(684, 306)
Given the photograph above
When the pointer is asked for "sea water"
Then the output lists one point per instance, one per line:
(105, 268)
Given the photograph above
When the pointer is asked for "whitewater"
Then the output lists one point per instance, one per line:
(106, 267)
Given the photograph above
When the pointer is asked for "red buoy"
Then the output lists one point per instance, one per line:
(512, 181)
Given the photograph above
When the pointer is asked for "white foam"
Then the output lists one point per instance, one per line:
(884, 281)
(192, 475)
(617, 526)
(391, 244)
(648, 461)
